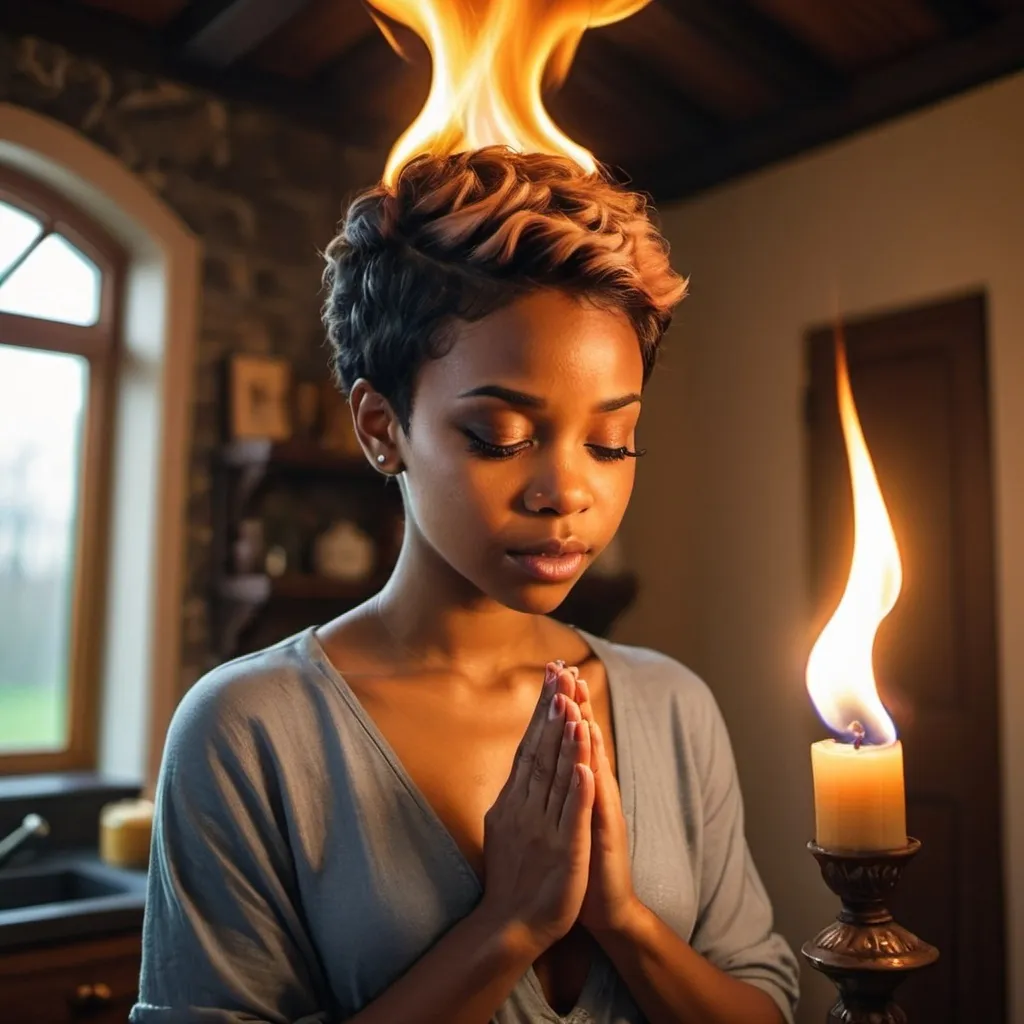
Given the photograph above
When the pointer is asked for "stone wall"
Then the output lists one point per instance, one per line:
(263, 195)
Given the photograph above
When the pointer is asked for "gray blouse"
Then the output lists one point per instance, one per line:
(297, 871)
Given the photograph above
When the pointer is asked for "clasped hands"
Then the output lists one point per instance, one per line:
(609, 898)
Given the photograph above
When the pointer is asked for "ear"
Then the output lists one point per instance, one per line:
(376, 426)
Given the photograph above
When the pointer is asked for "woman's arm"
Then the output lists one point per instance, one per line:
(461, 979)
(675, 985)
(733, 969)
(225, 939)
(537, 850)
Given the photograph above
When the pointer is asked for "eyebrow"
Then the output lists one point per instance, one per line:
(522, 400)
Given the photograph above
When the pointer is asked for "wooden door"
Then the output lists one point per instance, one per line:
(920, 382)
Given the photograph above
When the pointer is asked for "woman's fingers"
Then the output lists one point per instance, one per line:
(578, 809)
(587, 711)
(575, 750)
(600, 750)
(536, 862)
(582, 691)
(563, 771)
(606, 788)
(525, 757)
(601, 755)
(584, 742)
(537, 780)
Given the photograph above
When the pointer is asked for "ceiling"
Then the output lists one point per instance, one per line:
(681, 96)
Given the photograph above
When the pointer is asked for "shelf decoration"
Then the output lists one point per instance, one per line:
(259, 397)
(344, 552)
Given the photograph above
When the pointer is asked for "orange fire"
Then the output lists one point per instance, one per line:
(840, 674)
(491, 60)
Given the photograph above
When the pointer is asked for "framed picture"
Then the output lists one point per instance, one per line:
(259, 397)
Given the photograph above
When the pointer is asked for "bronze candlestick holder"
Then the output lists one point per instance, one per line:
(864, 952)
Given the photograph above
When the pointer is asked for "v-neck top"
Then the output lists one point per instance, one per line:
(297, 871)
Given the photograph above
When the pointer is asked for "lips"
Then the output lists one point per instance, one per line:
(554, 548)
(553, 561)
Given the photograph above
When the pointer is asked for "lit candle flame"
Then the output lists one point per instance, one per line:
(491, 59)
(840, 674)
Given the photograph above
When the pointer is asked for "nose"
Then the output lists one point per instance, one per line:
(559, 489)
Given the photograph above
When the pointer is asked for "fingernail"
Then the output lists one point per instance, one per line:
(556, 707)
(550, 676)
(584, 731)
(584, 689)
(570, 730)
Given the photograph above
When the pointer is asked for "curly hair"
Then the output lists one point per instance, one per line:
(461, 236)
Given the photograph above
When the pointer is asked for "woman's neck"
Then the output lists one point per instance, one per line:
(436, 617)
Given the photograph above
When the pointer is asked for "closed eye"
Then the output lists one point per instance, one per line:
(605, 454)
(494, 451)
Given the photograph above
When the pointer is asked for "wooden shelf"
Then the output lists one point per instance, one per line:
(257, 453)
(242, 599)
(243, 605)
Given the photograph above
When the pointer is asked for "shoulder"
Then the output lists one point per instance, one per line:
(657, 681)
(253, 699)
(665, 697)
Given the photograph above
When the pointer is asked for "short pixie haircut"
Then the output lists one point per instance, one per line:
(459, 237)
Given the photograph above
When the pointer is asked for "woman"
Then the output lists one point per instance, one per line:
(417, 812)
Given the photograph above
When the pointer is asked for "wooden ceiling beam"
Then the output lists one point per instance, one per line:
(958, 16)
(220, 32)
(375, 92)
(193, 18)
(995, 50)
(762, 44)
(122, 43)
(601, 65)
(378, 94)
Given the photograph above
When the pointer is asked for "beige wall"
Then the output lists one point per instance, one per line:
(924, 208)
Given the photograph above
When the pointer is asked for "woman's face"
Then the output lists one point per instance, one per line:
(517, 460)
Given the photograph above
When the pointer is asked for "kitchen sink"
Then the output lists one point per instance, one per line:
(66, 895)
(58, 885)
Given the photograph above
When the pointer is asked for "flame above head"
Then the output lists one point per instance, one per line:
(840, 674)
(491, 59)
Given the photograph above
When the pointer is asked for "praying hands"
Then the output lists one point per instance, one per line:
(609, 898)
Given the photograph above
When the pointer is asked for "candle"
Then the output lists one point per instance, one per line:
(126, 832)
(859, 801)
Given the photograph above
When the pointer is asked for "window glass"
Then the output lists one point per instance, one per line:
(17, 232)
(42, 401)
(56, 282)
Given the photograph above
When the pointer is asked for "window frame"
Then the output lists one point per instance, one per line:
(100, 345)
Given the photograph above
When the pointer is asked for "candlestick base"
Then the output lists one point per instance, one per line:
(864, 952)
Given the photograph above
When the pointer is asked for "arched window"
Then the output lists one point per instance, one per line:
(60, 278)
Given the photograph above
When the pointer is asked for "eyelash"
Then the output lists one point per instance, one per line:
(508, 451)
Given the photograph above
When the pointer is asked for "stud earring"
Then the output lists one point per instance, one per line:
(381, 459)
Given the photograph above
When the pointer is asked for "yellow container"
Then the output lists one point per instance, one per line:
(126, 827)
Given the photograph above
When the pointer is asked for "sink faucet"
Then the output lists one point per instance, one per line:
(32, 824)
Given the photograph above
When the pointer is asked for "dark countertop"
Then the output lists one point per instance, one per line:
(72, 918)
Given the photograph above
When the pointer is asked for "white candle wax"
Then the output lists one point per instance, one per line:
(859, 799)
